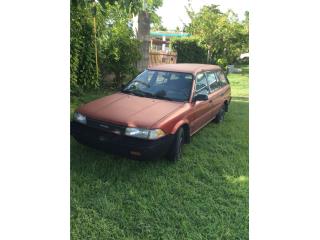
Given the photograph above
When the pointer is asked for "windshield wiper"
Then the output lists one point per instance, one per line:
(163, 97)
(147, 94)
(138, 93)
(128, 92)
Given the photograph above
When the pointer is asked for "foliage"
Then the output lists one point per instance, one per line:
(120, 49)
(83, 74)
(156, 23)
(204, 196)
(223, 35)
(112, 24)
(246, 31)
(189, 50)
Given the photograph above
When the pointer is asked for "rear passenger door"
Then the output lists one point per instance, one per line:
(225, 87)
(201, 109)
(216, 93)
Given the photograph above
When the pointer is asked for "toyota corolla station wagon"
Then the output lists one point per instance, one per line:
(155, 113)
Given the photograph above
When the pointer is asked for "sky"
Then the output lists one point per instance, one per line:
(173, 12)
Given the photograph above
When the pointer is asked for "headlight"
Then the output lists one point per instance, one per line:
(144, 133)
(80, 118)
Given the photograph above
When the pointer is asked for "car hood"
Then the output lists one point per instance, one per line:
(129, 110)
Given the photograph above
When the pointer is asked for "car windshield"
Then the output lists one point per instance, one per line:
(162, 85)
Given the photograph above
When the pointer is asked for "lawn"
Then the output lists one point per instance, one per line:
(203, 196)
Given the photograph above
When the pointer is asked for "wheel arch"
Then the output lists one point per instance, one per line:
(186, 127)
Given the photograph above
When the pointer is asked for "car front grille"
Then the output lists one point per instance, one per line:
(106, 127)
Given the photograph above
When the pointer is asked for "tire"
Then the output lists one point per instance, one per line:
(175, 152)
(226, 107)
(220, 116)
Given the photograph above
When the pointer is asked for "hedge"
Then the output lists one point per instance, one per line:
(189, 50)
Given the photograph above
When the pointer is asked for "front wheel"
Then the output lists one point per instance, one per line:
(175, 151)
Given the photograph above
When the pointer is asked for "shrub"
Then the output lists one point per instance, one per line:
(82, 50)
(189, 50)
(121, 50)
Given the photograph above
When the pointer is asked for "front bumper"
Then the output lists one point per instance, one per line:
(120, 144)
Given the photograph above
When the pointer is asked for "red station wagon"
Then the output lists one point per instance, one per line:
(155, 113)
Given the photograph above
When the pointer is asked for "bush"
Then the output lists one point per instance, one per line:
(82, 50)
(121, 50)
(118, 51)
(189, 50)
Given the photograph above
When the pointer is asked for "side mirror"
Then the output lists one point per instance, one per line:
(200, 97)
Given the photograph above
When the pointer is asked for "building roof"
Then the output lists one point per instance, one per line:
(193, 68)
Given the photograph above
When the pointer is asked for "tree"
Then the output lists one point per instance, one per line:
(82, 40)
(221, 33)
(189, 50)
(246, 31)
(157, 23)
(120, 50)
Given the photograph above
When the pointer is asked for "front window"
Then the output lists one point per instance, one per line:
(162, 85)
(201, 84)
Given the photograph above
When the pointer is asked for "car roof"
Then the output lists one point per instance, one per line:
(193, 68)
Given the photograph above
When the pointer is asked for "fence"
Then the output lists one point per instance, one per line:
(156, 58)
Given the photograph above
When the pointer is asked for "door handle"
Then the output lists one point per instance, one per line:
(210, 101)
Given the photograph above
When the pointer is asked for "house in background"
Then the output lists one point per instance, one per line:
(159, 48)
(155, 47)
(160, 40)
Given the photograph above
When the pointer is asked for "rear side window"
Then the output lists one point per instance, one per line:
(213, 81)
(222, 78)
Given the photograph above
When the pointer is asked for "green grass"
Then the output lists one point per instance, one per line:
(203, 196)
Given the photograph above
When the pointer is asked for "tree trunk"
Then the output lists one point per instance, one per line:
(143, 35)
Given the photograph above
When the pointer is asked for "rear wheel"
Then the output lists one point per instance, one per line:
(220, 116)
(226, 107)
(175, 151)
